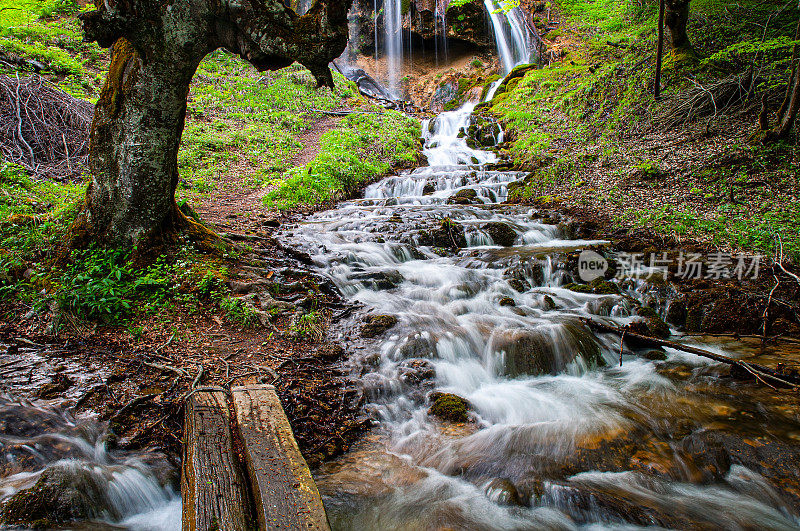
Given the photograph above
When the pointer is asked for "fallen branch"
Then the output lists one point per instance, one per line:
(130, 405)
(782, 380)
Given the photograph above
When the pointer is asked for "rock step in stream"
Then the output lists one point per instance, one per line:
(272, 486)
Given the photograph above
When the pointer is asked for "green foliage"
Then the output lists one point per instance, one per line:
(239, 312)
(310, 325)
(360, 148)
(34, 214)
(97, 285)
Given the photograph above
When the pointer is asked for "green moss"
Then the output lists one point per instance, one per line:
(450, 407)
(598, 286)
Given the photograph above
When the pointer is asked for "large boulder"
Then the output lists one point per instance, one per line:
(64, 493)
(547, 349)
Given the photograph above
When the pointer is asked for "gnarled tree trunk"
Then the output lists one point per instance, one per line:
(676, 18)
(139, 119)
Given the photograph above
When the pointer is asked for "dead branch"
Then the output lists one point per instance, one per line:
(42, 128)
(776, 378)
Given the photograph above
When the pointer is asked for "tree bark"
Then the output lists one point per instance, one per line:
(139, 118)
(676, 19)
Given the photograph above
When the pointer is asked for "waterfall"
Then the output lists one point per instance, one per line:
(301, 7)
(393, 30)
(510, 34)
(440, 24)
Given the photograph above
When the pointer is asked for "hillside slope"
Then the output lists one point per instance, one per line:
(594, 138)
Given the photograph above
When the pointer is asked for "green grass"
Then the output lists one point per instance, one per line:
(361, 148)
(579, 108)
(45, 31)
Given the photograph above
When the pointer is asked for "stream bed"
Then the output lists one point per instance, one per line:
(560, 435)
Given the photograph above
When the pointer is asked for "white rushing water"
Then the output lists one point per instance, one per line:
(493, 323)
(118, 488)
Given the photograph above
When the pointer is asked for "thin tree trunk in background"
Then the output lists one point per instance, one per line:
(659, 49)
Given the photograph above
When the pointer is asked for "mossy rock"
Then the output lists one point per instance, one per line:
(598, 286)
(377, 324)
(676, 313)
(449, 407)
(547, 350)
(652, 325)
(466, 196)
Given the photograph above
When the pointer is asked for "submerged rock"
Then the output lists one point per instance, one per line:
(449, 407)
(416, 371)
(377, 324)
(503, 492)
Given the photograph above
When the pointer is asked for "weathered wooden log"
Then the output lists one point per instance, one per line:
(760, 372)
(212, 483)
(284, 492)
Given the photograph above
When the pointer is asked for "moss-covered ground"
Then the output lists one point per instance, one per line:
(590, 131)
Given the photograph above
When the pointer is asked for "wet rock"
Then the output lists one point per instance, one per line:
(64, 493)
(517, 285)
(506, 301)
(548, 303)
(602, 306)
(467, 196)
(375, 325)
(676, 313)
(395, 219)
(547, 349)
(655, 355)
(429, 188)
(503, 492)
(58, 385)
(500, 233)
(416, 346)
(652, 324)
(527, 272)
(416, 371)
(449, 407)
(380, 279)
(330, 351)
(598, 286)
(704, 459)
(448, 235)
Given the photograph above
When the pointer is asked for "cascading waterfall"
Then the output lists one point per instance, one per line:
(393, 32)
(301, 7)
(120, 489)
(511, 36)
(485, 314)
(440, 30)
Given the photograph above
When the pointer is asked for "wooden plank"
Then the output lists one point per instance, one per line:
(284, 492)
(212, 483)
